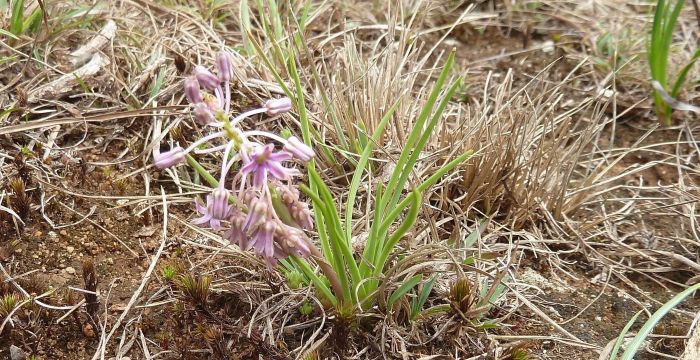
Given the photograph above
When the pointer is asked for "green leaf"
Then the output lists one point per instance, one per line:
(396, 183)
(318, 283)
(417, 304)
(402, 290)
(489, 325)
(246, 25)
(684, 73)
(621, 338)
(360, 168)
(157, 84)
(17, 19)
(406, 224)
(646, 329)
(474, 236)
(32, 21)
(422, 187)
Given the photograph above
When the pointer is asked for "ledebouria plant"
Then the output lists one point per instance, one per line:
(261, 209)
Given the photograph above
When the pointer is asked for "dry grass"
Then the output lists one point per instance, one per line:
(570, 179)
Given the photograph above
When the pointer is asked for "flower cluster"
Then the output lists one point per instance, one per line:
(261, 210)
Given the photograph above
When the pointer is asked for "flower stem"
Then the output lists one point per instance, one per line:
(201, 171)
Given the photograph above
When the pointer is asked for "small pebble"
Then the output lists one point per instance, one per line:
(548, 47)
(70, 249)
(69, 270)
(53, 235)
(63, 232)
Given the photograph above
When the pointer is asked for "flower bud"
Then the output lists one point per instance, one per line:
(278, 106)
(220, 209)
(205, 78)
(298, 149)
(223, 62)
(192, 91)
(292, 242)
(235, 234)
(169, 158)
(302, 215)
(258, 212)
(202, 114)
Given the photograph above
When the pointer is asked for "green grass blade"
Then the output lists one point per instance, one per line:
(341, 246)
(474, 236)
(648, 326)
(406, 224)
(32, 21)
(276, 21)
(402, 290)
(17, 19)
(246, 25)
(421, 188)
(331, 252)
(157, 85)
(322, 288)
(360, 168)
(417, 305)
(621, 338)
(394, 185)
(683, 74)
(372, 244)
(408, 167)
(270, 66)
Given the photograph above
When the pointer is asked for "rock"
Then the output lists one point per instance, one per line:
(53, 235)
(70, 249)
(17, 353)
(63, 232)
(69, 270)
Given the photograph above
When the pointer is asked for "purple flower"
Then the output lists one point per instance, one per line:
(205, 78)
(302, 215)
(264, 160)
(291, 241)
(216, 209)
(298, 149)
(202, 114)
(278, 106)
(223, 62)
(192, 91)
(236, 234)
(258, 213)
(169, 158)
(263, 241)
(299, 210)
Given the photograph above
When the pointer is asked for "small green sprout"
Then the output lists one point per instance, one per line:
(7, 304)
(295, 279)
(306, 308)
(168, 272)
(286, 133)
